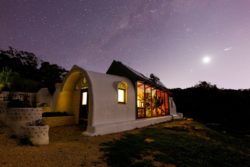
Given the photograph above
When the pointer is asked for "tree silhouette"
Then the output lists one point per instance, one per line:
(50, 74)
(205, 85)
(6, 78)
(206, 103)
(26, 64)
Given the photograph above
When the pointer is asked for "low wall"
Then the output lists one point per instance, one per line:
(15, 118)
(178, 116)
(46, 109)
(24, 115)
(59, 121)
(21, 96)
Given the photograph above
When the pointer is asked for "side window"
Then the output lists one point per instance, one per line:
(122, 92)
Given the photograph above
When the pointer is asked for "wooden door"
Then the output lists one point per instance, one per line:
(84, 106)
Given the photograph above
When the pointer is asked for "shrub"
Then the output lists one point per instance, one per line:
(25, 141)
(56, 114)
(18, 103)
(25, 85)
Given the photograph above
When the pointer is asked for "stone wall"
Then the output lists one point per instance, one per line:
(16, 118)
(23, 123)
(21, 96)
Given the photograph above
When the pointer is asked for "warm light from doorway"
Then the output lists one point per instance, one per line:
(84, 98)
(121, 95)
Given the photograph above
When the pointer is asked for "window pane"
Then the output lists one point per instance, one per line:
(140, 95)
(151, 102)
(140, 100)
(84, 98)
(161, 104)
(166, 104)
(121, 95)
(148, 100)
(154, 103)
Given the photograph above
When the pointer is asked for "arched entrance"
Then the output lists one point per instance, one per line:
(75, 96)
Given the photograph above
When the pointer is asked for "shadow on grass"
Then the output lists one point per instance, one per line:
(158, 145)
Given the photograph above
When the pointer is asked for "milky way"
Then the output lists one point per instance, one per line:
(166, 37)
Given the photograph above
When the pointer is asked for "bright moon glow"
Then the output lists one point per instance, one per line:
(206, 59)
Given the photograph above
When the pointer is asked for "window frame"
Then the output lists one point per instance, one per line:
(123, 86)
(147, 90)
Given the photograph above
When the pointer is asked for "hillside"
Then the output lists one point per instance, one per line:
(222, 109)
(182, 143)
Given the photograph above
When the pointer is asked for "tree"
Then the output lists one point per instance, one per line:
(51, 74)
(6, 78)
(205, 85)
(26, 64)
(22, 62)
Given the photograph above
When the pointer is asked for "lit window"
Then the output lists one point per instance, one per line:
(121, 95)
(84, 98)
(122, 88)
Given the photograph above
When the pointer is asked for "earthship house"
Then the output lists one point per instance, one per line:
(122, 99)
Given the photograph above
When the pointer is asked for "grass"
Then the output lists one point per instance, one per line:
(183, 143)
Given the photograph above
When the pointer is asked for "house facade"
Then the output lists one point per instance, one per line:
(118, 100)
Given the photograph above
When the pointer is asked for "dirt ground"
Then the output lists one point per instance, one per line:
(67, 148)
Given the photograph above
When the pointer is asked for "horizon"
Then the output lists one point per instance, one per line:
(181, 42)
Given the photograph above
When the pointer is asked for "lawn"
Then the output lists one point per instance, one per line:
(183, 143)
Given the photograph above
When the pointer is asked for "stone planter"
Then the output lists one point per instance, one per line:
(38, 135)
(18, 117)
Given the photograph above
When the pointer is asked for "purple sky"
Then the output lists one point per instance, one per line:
(166, 37)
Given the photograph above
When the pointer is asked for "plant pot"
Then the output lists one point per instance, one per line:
(38, 135)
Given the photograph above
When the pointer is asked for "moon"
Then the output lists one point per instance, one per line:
(206, 59)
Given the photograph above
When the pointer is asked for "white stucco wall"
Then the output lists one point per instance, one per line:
(55, 96)
(173, 110)
(106, 109)
(172, 106)
(43, 97)
(106, 115)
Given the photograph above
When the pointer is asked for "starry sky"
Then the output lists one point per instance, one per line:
(180, 41)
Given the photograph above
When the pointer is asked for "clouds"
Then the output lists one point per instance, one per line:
(227, 49)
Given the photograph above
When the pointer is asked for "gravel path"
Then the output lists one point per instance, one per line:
(67, 148)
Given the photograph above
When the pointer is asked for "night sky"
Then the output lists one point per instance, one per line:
(181, 41)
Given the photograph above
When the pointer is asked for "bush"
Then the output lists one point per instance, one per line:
(25, 85)
(18, 103)
(56, 114)
(208, 104)
(24, 141)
